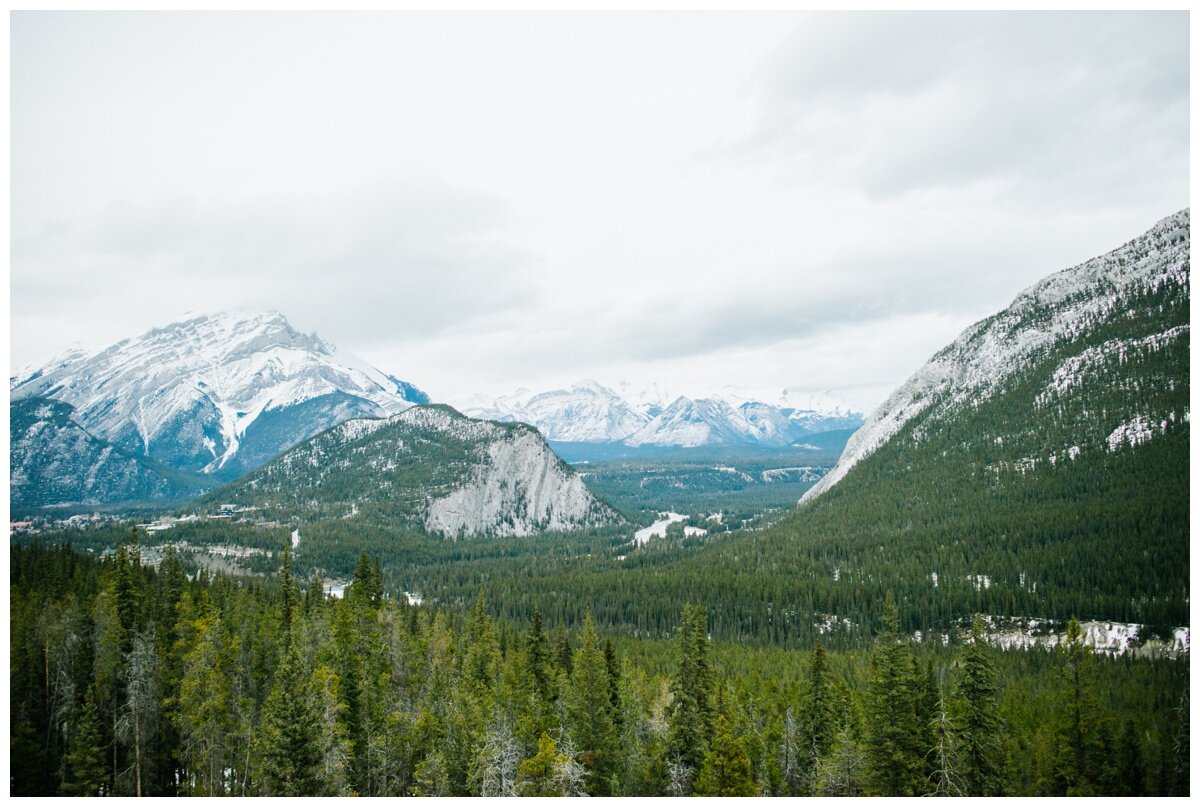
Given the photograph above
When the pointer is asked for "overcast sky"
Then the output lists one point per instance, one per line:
(477, 203)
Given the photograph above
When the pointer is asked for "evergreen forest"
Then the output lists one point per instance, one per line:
(130, 679)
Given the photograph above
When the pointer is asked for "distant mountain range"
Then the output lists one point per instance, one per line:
(588, 412)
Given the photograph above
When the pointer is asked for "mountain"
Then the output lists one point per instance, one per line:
(588, 412)
(1090, 359)
(583, 413)
(429, 468)
(216, 395)
(55, 461)
(690, 423)
(1037, 469)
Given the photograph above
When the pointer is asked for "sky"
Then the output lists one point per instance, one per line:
(482, 202)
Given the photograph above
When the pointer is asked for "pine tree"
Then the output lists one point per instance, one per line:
(537, 678)
(367, 583)
(726, 770)
(842, 770)
(894, 768)
(590, 715)
(945, 779)
(541, 774)
(1132, 767)
(137, 727)
(289, 594)
(481, 658)
(980, 729)
(817, 713)
(127, 591)
(613, 668)
(85, 765)
(205, 718)
(1078, 700)
(335, 747)
(690, 719)
(291, 744)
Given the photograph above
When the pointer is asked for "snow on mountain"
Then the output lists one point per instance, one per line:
(216, 394)
(689, 423)
(1054, 311)
(642, 415)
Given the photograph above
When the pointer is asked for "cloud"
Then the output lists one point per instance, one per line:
(391, 260)
(1084, 104)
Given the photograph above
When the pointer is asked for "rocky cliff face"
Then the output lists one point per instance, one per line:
(521, 488)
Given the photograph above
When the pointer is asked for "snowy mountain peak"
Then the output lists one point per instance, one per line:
(217, 393)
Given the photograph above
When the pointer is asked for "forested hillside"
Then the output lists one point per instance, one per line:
(126, 680)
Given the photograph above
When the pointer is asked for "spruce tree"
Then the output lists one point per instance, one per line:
(291, 741)
(85, 767)
(690, 718)
(1132, 766)
(726, 770)
(817, 712)
(540, 774)
(1078, 701)
(894, 768)
(980, 729)
(590, 713)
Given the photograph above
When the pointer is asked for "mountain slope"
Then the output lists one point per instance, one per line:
(430, 468)
(55, 461)
(218, 394)
(1069, 335)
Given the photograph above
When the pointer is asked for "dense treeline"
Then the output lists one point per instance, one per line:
(131, 680)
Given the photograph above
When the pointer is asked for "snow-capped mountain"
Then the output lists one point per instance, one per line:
(428, 467)
(1083, 331)
(218, 394)
(690, 423)
(588, 412)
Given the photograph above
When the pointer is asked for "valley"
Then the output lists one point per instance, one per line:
(1020, 504)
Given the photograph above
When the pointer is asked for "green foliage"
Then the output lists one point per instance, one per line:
(291, 747)
(386, 699)
(540, 775)
(979, 728)
(691, 711)
(726, 770)
(895, 753)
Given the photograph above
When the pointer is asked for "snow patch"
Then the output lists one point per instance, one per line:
(658, 529)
